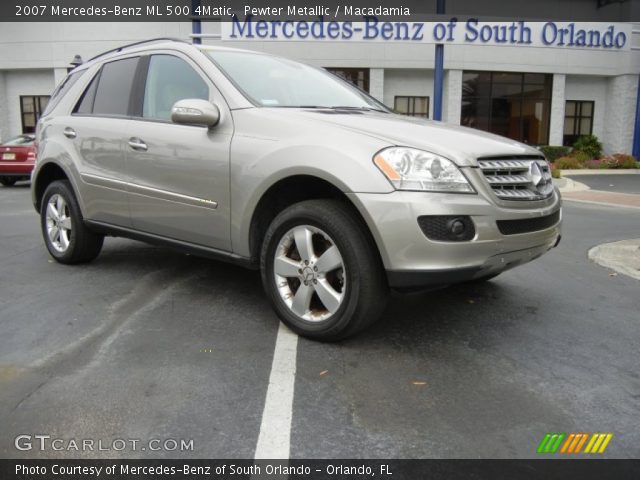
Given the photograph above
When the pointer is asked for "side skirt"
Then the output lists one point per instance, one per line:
(179, 245)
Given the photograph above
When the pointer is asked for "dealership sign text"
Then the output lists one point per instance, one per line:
(587, 35)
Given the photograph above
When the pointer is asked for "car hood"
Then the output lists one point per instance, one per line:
(463, 145)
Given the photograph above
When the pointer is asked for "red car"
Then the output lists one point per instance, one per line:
(17, 158)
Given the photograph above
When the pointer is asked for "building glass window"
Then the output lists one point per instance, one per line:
(514, 105)
(357, 76)
(578, 120)
(31, 107)
(412, 106)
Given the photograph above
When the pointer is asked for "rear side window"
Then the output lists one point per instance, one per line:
(85, 105)
(114, 87)
(170, 79)
(61, 90)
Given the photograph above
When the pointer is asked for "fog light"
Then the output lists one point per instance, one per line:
(456, 226)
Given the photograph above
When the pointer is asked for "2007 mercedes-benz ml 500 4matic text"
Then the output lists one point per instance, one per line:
(284, 167)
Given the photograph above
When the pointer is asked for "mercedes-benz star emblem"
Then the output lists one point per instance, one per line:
(536, 174)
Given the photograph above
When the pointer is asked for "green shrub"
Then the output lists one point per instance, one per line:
(619, 160)
(581, 156)
(552, 153)
(568, 163)
(556, 173)
(590, 145)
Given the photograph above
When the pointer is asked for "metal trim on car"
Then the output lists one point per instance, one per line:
(148, 191)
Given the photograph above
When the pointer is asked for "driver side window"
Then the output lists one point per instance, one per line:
(170, 79)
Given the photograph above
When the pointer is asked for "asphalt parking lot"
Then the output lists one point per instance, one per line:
(147, 343)
(620, 183)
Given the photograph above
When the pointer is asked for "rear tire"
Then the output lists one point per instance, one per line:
(66, 236)
(321, 243)
(8, 181)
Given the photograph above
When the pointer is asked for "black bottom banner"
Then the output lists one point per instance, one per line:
(319, 469)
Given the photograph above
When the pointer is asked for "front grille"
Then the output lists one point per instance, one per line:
(526, 225)
(518, 178)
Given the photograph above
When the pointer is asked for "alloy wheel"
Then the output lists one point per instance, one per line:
(310, 273)
(59, 224)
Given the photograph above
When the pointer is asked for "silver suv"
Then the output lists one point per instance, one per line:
(286, 168)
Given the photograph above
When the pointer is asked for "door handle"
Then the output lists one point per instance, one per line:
(69, 132)
(137, 144)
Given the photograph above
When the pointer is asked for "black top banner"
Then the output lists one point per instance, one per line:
(292, 10)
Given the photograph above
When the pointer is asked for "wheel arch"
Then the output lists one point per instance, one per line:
(293, 189)
(47, 173)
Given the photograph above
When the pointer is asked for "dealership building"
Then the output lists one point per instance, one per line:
(518, 79)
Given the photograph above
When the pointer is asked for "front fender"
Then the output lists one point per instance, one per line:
(349, 170)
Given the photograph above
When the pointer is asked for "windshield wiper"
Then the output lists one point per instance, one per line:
(364, 109)
(296, 106)
(326, 107)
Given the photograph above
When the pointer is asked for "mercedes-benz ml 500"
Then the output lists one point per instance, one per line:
(286, 168)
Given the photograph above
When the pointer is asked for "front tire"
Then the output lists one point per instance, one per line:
(321, 271)
(66, 236)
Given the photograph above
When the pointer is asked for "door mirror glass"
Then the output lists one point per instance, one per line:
(194, 111)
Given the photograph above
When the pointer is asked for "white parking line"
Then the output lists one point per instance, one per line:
(275, 429)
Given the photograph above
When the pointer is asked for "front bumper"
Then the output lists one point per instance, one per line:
(411, 259)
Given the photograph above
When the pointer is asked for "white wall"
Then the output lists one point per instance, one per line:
(415, 82)
(53, 44)
(578, 87)
(21, 82)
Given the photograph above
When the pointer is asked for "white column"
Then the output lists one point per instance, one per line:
(620, 114)
(4, 111)
(376, 83)
(59, 74)
(452, 98)
(558, 100)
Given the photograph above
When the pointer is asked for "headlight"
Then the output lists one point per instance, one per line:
(411, 169)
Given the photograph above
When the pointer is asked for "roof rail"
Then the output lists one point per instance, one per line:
(142, 42)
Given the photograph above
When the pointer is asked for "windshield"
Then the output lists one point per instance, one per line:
(25, 140)
(276, 82)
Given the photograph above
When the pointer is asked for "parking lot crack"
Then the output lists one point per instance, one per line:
(148, 294)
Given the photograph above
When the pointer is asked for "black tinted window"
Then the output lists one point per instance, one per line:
(85, 105)
(114, 87)
(60, 91)
(170, 79)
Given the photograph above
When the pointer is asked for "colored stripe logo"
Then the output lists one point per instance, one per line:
(573, 443)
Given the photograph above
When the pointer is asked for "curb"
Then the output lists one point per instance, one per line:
(567, 185)
(623, 257)
(602, 204)
(604, 171)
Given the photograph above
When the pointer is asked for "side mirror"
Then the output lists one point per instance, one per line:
(195, 111)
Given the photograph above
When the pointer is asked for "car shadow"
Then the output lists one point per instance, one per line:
(22, 185)
(409, 319)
